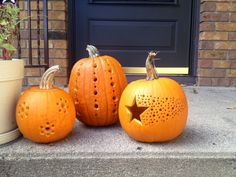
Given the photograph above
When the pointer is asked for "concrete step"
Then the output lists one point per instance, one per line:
(206, 148)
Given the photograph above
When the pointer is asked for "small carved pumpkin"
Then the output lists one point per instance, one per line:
(155, 109)
(45, 114)
(96, 84)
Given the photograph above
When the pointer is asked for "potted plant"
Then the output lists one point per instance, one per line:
(11, 71)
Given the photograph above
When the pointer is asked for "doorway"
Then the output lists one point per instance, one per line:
(128, 29)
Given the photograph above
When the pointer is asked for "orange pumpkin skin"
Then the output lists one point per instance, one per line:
(45, 115)
(164, 110)
(96, 85)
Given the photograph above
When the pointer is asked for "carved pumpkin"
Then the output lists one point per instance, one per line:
(155, 109)
(45, 114)
(96, 84)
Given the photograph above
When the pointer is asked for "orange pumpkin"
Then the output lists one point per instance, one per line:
(45, 114)
(155, 109)
(96, 84)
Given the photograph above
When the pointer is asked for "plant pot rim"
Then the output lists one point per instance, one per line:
(11, 69)
(14, 59)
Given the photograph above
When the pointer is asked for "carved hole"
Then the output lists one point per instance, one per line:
(94, 65)
(95, 92)
(112, 84)
(42, 132)
(96, 106)
(114, 98)
(95, 79)
(76, 101)
(47, 128)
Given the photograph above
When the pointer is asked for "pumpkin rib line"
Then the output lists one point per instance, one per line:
(118, 78)
(119, 85)
(76, 84)
(113, 93)
(106, 117)
(29, 127)
(93, 75)
(86, 103)
(110, 76)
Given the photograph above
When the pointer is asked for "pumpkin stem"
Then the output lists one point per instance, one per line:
(93, 51)
(47, 78)
(150, 66)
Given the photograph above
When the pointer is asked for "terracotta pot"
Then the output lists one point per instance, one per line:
(11, 76)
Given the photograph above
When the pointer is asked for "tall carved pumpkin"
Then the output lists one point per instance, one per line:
(155, 109)
(96, 84)
(45, 114)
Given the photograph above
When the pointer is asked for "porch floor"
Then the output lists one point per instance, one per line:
(206, 148)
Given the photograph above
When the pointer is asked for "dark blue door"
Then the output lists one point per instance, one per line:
(128, 29)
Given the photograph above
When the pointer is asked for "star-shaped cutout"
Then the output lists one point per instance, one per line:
(136, 111)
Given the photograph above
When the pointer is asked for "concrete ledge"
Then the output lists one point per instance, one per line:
(206, 148)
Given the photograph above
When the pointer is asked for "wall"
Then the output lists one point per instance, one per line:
(217, 43)
(57, 40)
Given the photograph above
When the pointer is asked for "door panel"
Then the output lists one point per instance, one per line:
(166, 2)
(127, 30)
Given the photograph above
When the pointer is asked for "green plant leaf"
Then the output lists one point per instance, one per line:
(3, 22)
(8, 47)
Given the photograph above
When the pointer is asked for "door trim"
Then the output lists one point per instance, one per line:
(160, 70)
(189, 78)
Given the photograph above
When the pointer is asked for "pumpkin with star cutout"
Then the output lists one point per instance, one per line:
(155, 109)
(46, 113)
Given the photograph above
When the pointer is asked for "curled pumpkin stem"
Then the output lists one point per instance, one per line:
(47, 78)
(150, 66)
(93, 51)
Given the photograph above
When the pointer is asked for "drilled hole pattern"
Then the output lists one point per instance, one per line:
(76, 101)
(62, 105)
(95, 81)
(95, 92)
(48, 129)
(112, 84)
(160, 109)
(23, 111)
